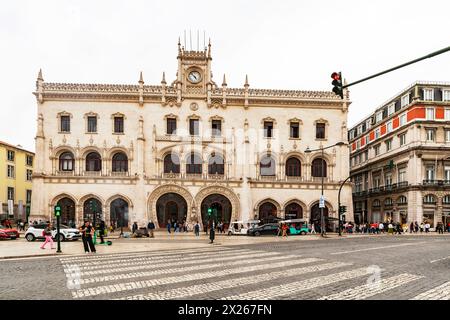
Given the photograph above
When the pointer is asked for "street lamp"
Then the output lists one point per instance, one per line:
(340, 143)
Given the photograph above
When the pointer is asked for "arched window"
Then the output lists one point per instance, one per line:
(194, 164)
(376, 203)
(429, 199)
(171, 163)
(446, 200)
(267, 166)
(402, 200)
(215, 164)
(120, 162)
(319, 168)
(93, 162)
(388, 202)
(66, 161)
(293, 167)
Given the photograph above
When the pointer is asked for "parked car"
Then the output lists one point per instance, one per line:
(65, 233)
(297, 226)
(242, 227)
(7, 233)
(269, 228)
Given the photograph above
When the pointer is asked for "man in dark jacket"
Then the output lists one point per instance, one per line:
(135, 227)
(101, 231)
(151, 227)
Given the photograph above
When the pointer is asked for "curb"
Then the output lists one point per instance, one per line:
(34, 256)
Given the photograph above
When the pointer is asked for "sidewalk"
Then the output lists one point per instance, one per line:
(20, 248)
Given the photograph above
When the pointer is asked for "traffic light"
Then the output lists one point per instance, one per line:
(57, 211)
(337, 84)
(209, 211)
(342, 209)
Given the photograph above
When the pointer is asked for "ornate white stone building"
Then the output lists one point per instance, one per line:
(126, 153)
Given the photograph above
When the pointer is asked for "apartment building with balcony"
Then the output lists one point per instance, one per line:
(400, 158)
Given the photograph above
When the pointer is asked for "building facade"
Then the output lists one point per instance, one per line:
(126, 153)
(16, 173)
(400, 158)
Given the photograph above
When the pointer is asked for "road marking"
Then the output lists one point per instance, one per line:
(299, 286)
(167, 267)
(189, 277)
(371, 289)
(433, 261)
(139, 260)
(185, 292)
(439, 293)
(377, 248)
(141, 253)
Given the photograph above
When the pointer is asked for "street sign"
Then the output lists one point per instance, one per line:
(322, 202)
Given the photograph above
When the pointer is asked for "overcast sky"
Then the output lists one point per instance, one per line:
(279, 44)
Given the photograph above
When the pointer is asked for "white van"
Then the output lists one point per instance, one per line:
(241, 227)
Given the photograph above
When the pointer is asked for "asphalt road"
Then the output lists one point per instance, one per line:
(371, 267)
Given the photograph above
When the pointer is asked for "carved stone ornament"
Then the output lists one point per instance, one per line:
(64, 140)
(194, 106)
(91, 141)
(118, 140)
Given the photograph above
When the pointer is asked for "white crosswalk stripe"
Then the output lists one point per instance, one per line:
(188, 277)
(441, 292)
(140, 260)
(187, 292)
(103, 257)
(371, 289)
(299, 286)
(225, 273)
(163, 268)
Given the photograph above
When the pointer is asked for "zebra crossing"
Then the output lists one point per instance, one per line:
(229, 273)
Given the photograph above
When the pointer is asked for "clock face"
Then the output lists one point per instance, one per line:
(194, 77)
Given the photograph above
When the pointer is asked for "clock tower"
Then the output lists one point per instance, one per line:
(194, 77)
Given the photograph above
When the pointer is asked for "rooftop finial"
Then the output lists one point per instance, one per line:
(163, 78)
(246, 81)
(40, 75)
(179, 45)
(209, 48)
(224, 81)
(141, 78)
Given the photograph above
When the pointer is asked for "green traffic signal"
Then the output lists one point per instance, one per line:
(57, 211)
(209, 211)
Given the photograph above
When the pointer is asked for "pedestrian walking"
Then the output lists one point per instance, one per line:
(313, 228)
(101, 231)
(411, 227)
(47, 233)
(381, 226)
(87, 231)
(391, 228)
(422, 227)
(440, 228)
(416, 227)
(212, 233)
(168, 226)
(134, 227)
(197, 229)
(284, 228)
(151, 228)
(427, 227)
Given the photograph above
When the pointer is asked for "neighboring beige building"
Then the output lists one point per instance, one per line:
(138, 152)
(400, 158)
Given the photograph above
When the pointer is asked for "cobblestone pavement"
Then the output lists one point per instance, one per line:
(373, 267)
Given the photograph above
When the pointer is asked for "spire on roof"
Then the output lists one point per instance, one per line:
(141, 79)
(224, 83)
(40, 75)
(209, 48)
(163, 81)
(246, 81)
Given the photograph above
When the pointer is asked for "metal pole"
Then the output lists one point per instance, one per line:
(321, 209)
(398, 67)
(58, 239)
(339, 205)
